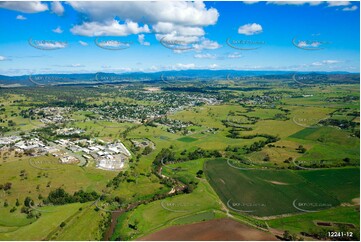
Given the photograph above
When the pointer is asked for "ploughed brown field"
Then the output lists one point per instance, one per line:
(219, 229)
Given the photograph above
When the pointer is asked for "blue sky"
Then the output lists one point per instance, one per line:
(155, 36)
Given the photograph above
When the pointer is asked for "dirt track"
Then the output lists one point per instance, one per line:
(219, 229)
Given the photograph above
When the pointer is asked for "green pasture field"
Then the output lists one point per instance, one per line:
(306, 222)
(342, 183)
(44, 174)
(49, 221)
(268, 192)
(201, 204)
(328, 143)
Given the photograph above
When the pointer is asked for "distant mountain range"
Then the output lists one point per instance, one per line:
(168, 76)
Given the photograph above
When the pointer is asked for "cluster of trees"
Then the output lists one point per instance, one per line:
(121, 177)
(26, 208)
(147, 150)
(342, 124)
(11, 123)
(258, 145)
(290, 237)
(59, 196)
(280, 116)
(200, 153)
(4, 129)
(164, 155)
(235, 132)
(6, 186)
(48, 133)
(167, 155)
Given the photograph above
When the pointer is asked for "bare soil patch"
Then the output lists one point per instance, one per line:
(219, 229)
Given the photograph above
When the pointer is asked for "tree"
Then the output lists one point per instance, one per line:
(301, 149)
(347, 160)
(7, 186)
(286, 235)
(147, 150)
(28, 202)
(199, 173)
(266, 158)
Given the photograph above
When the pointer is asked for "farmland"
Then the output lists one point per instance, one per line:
(270, 158)
(272, 192)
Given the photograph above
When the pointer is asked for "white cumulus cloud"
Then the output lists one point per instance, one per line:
(338, 3)
(298, 3)
(141, 40)
(213, 66)
(83, 43)
(113, 43)
(206, 44)
(182, 13)
(313, 44)
(76, 65)
(52, 45)
(58, 30)
(204, 56)
(325, 62)
(181, 66)
(234, 55)
(250, 2)
(25, 6)
(353, 8)
(171, 20)
(250, 29)
(57, 8)
(110, 28)
(20, 17)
